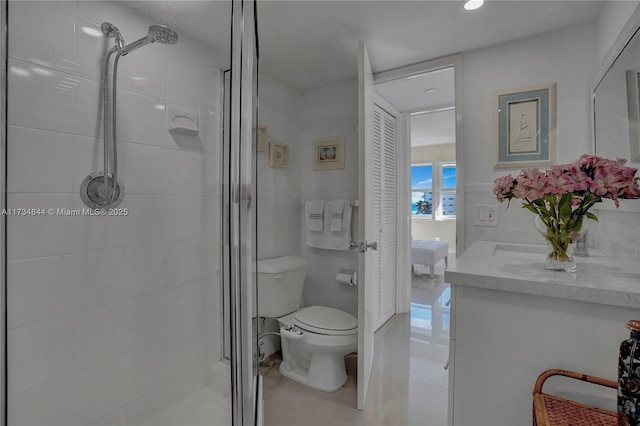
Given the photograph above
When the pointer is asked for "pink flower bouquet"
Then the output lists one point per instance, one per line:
(562, 196)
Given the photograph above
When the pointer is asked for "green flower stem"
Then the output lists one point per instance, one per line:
(563, 222)
(559, 245)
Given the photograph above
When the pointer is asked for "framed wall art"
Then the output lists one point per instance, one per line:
(328, 154)
(278, 154)
(263, 139)
(525, 127)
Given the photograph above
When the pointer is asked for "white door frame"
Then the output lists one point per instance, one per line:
(403, 249)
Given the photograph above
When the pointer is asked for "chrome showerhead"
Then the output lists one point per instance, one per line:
(163, 35)
(111, 31)
(157, 34)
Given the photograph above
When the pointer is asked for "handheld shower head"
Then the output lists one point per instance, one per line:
(112, 31)
(157, 34)
(163, 35)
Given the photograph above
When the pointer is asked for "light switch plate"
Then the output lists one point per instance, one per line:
(485, 215)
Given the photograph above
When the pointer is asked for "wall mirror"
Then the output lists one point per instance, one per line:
(616, 96)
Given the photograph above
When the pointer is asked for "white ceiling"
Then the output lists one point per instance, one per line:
(431, 92)
(434, 128)
(422, 92)
(313, 43)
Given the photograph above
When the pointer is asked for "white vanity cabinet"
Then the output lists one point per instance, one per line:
(512, 319)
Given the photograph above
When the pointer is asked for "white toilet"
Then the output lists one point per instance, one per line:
(314, 339)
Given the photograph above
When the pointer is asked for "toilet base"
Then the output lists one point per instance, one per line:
(326, 372)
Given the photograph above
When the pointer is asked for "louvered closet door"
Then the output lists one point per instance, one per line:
(384, 176)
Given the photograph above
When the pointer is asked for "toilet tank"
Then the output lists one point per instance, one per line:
(280, 283)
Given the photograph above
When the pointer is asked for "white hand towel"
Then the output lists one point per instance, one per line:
(332, 240)
(314, 214)
(337, 214)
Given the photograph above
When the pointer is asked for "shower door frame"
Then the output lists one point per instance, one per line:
(245, 382)
(242, 178)
(4, 8)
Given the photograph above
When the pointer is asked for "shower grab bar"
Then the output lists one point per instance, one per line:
(114, 132)
(106, 124)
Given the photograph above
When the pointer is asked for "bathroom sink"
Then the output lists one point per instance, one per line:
(506, 249)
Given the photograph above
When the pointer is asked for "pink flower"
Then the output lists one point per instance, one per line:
(534, 184)
(587, 160)
(581, 181)
(561, 179)
(502, 186)
(589, 179)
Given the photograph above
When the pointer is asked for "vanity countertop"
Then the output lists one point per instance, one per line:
(518, 268)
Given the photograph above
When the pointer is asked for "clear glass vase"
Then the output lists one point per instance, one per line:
(561, 245)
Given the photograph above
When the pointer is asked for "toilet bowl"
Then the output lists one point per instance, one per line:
(314, 339)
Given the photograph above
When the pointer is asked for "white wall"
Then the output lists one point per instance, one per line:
(330, 111)
(567, 58)
(106, 314)
(279, 203)
(299, 119)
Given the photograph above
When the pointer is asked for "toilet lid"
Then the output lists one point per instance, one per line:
(323, 320)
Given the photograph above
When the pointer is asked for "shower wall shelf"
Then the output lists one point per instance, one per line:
(182, 121)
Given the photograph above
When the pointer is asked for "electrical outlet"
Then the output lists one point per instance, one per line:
(486, 215)
(491, 215)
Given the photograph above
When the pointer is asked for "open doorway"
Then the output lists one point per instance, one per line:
(426, 99)
(433, 213)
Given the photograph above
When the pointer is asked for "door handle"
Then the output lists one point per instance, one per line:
(363, 246)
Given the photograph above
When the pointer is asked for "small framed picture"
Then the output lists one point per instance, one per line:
(263, 139)
(278, 154)
(525, 127)
(328, 154)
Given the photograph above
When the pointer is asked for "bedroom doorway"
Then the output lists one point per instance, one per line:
(430, 177)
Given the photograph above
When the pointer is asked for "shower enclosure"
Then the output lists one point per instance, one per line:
(127, 310)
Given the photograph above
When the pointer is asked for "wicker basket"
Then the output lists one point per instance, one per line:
(551, 410)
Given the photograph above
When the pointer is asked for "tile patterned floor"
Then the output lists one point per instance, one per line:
(204, 407)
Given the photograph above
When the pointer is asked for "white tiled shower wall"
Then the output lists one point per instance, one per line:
(106, 315)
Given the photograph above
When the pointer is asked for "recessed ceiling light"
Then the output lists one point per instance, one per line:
(473, 4)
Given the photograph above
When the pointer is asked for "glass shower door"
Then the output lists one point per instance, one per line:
(114, 311)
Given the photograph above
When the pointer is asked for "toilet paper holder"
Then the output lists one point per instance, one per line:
(347, 276)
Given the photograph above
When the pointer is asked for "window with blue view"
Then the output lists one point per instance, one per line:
(422, 190)
(433, 190)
